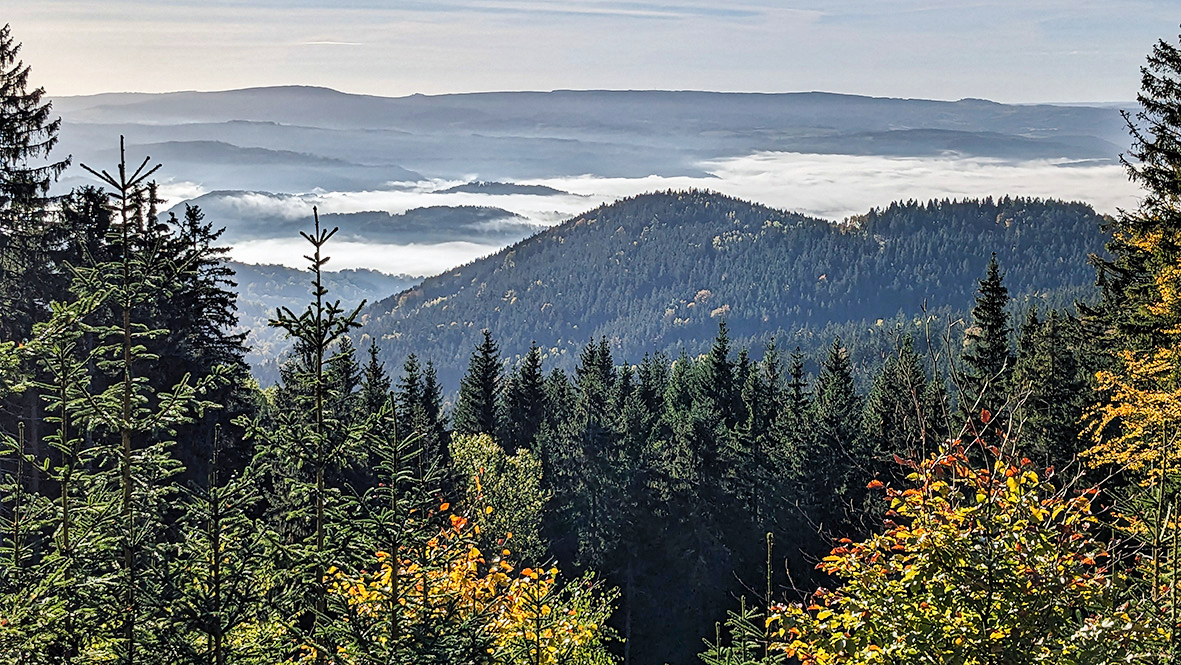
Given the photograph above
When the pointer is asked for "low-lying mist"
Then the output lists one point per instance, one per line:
(833, 187)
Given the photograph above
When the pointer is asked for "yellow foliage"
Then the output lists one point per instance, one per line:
(449, 581)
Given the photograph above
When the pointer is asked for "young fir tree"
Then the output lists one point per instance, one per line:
(218, 570)
(129, 411)
(476, 409)
(988, 359)
(309, 438)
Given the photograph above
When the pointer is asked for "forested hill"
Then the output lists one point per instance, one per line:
(658, 271)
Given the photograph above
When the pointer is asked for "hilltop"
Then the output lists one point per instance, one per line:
(659, 271)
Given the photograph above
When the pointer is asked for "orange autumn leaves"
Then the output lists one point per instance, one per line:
(977, 565)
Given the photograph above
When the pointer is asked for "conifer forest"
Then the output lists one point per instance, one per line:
(992, 478)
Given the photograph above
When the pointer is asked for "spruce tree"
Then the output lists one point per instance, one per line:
(525, 405)
(1051, 390)
(375, 382)
(130, 411)
(900, 415)
(28, 134)
(988, 360)
(837, 460)
(1154, 163)
(476, 409)
(309, 439)
(435, 435)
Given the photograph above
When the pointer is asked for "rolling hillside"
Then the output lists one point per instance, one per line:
(659, 271)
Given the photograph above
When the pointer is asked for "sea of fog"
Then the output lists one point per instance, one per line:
(829, 186)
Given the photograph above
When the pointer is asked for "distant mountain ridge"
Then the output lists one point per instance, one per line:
(659, 271)
(507, 136)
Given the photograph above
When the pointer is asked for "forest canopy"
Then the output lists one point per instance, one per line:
(999, 489)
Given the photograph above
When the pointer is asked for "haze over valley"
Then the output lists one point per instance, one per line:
(257, 160)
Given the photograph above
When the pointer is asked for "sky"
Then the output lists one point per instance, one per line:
(1014, 51)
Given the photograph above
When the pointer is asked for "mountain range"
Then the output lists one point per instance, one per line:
(523, 135)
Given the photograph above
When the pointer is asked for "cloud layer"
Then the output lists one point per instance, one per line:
(829, 186)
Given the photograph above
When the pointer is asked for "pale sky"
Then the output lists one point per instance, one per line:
(1004, 50)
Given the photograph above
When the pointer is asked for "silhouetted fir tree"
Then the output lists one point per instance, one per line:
(435, 436)
(837, 461)
(1051, 390)
(758, 468)
(476, 408)
(652, 381)
(200, 315)
(409, 398)
(717, 382)
(375, 382)
(632, 523)
(418, 417)
(28, 133)
(988, 360)
(525, 404)
(796, 413)
(899, 414)
(589, 499)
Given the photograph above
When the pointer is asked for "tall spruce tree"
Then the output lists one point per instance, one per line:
(1051, 389)
(476, 408)
(988, 359)
(525, 406)
(837, 460)
(28, 134)
(1154, 163)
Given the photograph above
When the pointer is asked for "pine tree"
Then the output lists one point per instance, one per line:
(475, 411)
(988, 360)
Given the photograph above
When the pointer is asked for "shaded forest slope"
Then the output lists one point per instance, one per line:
(657, 271)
